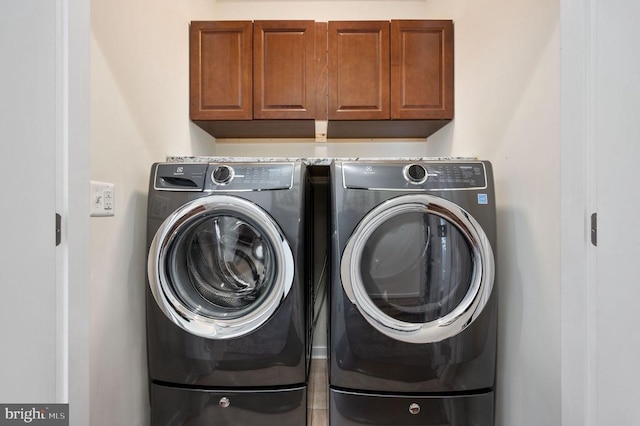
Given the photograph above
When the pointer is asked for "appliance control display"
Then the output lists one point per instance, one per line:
(414, 176)
(249, 177)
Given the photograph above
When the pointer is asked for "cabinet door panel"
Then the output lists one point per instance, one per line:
(421, 69)
(284, 69)
(220, 70)
(359, 70)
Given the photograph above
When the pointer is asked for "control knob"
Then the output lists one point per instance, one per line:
(415, 173)
(222, 175)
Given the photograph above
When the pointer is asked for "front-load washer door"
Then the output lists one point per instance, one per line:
(219, 267)
(419, 268)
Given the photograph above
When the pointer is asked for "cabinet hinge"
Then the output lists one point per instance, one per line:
(594, 229)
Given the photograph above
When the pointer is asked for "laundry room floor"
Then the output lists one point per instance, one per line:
(318, 415)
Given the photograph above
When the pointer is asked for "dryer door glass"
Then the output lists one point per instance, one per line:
(419, 268)
(219, 267)
(416, 267)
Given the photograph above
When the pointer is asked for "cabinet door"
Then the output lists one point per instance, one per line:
(421, 69)
(220, 70)
(284, 69)
(359, 70)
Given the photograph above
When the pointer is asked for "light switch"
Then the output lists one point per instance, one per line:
(102, 199)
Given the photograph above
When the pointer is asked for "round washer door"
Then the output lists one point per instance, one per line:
(219, 267)
(419, 268)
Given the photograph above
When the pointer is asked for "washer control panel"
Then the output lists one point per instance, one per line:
(223, 177)
(249, 176)
(414, 175)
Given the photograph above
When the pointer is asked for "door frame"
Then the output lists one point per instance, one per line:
(60, 100)
(72, 204)
(578, 200)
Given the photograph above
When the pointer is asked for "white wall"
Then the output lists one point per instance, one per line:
(507, 111)
(139, 114)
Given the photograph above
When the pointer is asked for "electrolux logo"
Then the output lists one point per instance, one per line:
(37, 414)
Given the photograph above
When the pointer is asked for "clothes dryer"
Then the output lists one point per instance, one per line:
(228, 332)
(413, 308)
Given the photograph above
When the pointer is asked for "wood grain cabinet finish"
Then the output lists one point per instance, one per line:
(399, 70)
(358, 70)
(421, 69)
(369, 79)
(284, 74)
(390, 79)
(221, 83)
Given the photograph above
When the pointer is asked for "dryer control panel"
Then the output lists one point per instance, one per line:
(417, 175)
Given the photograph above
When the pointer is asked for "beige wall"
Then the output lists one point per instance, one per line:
(507, 111)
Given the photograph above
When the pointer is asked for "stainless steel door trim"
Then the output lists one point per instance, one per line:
(197, 323)
(472, 303)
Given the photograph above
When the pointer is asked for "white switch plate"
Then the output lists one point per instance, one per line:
(102, 198)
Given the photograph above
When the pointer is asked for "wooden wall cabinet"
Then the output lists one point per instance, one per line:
(370, 79)
(359, 70)
(421, 69)
(284, 70)
(247, 76)
(221, 80)
(390, 79)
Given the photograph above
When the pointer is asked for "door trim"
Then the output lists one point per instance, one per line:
(578, 200)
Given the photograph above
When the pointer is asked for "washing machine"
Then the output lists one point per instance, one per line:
(413, 298)
(228, 327)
